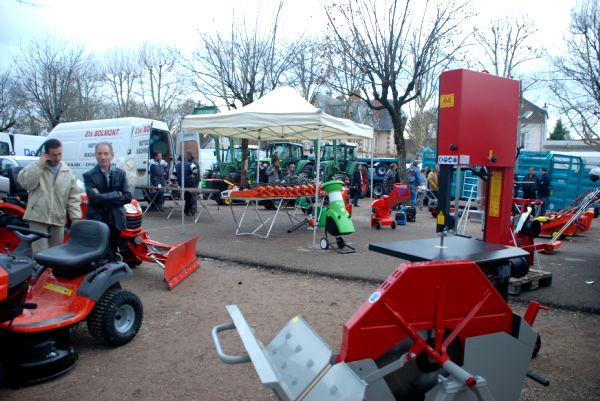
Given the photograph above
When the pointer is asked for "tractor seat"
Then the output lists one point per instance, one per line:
(87, 243)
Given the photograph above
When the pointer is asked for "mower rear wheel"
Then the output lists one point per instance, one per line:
(378, 225)
(116, 318)
(324, 243)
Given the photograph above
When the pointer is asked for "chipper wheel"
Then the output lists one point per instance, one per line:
(324, 243)
(116, 318)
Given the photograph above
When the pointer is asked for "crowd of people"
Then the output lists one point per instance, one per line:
(418, 180)
(536, 187)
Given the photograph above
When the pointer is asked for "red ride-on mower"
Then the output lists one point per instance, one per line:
(39, 306)
(382, 207)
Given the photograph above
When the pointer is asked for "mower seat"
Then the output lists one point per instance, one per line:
(87, 243)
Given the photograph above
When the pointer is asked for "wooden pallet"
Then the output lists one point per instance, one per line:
(532, 281)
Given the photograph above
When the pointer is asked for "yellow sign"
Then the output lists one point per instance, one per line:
(495, 192)
(447, 100)
(441, 220)
(58, 288)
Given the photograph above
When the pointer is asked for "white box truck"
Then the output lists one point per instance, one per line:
(134, 141)
(19, 145)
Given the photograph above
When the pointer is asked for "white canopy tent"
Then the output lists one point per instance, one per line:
(279, 115)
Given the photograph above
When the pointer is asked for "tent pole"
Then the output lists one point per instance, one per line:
(257, 178)
(315, 206)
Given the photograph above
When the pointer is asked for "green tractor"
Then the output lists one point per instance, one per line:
(338, 162)
(227, 168)
(290, 152)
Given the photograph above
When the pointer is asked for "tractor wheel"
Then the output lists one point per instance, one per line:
(324, 243)
(340, 242)
(381, 169)
(116, 317)
(378, 225)
(393, 225)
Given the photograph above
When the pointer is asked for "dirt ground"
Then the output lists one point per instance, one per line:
(173, 357)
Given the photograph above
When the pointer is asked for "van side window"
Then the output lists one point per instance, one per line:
(4, 150)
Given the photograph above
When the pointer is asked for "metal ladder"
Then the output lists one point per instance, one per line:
(470, 191)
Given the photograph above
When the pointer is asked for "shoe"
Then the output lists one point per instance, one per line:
(355, 206)
(187, 213)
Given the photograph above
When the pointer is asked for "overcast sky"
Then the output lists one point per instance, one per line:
(105, 24)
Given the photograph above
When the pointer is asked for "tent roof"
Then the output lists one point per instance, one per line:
(280, 114)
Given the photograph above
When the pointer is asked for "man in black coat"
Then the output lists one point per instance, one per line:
(529, 184)
(356, 185)
(543, 190)
(107, 191)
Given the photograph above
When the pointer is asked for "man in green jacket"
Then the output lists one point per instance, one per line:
(53, 195)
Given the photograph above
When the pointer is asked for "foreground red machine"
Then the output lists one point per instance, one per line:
(381, 209)
(39, 304)
(438, 329)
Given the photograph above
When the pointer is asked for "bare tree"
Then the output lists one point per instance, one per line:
(241, 67)
(507, 45)
(577, 87)
(48, 70)
(307, 66)
(160, 82)
(421, 127)
(9, 109)
(121, 72)
(395, 46)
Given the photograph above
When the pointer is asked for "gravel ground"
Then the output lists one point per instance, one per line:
(173, 358)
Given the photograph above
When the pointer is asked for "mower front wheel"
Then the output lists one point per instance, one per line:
(393, 225)
(324, 243)
(378, 225)
(116, 318)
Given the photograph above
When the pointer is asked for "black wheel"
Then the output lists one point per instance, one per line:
(377, 225)
(393, 225)
(324, 243)
(377, 190)
(116, 318)
(340, 242)
(381, 169)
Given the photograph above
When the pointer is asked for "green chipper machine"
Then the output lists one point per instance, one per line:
(337, 219)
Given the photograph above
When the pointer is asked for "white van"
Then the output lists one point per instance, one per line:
(134, 141)
(19, 145)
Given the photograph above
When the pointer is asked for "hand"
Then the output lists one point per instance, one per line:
(44, 158)
(94, 190)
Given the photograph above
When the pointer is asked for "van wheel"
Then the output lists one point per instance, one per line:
(116, 317)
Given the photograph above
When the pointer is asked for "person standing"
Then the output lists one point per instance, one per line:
(158, 173)
(187, 173)
(391, 177)
(432, 180)
(543, 190)
(415, 178)
(274, 173)
(53, 195)
(107, 191)
(356, 184)
(291, 177)
(529, 184)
